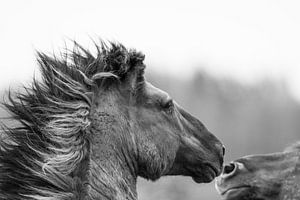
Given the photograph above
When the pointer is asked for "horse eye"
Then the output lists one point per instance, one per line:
(169, 104)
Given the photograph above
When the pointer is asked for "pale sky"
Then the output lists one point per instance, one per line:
(245, 40)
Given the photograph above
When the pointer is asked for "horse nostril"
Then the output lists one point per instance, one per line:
(229, 168)
(223, 149)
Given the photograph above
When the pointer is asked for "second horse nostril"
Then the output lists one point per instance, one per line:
(229, 168)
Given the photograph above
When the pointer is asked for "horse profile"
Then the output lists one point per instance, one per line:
(92, 125)
(273, 176)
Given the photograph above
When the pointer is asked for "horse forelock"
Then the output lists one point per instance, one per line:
(51, 137)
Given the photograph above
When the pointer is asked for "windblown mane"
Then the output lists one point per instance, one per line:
(52, 116)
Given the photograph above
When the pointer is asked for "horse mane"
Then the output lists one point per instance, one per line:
(50, 135)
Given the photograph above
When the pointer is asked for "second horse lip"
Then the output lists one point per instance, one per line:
(234, 188)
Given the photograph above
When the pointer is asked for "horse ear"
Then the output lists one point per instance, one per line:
(115, 63)
(135, 74)
(135, 78)
(121, 61)
(136, 59)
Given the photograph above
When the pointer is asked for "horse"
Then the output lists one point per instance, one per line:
(92, 124)
(273, 176)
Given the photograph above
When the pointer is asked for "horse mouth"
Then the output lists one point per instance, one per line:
(207, 175)
(234, 190)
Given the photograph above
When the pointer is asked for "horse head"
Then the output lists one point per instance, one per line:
(269, 177)
(160, 136)
(93, 124)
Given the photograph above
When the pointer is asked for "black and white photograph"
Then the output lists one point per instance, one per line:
(149, 100)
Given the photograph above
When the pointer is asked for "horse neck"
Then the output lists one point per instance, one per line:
(111, 173)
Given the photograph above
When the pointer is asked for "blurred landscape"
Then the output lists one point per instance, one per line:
(248, 119)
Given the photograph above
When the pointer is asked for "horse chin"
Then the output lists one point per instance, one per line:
(202, 173)
(204, 179)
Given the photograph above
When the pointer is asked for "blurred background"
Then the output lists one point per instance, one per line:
(233, 64)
